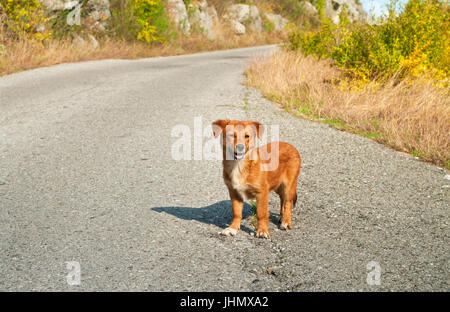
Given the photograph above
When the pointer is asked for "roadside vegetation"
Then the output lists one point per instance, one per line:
(388, 81)
(32, 36)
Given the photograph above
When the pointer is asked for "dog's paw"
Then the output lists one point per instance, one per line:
(263, 234)
(284, 226)
(229, 232)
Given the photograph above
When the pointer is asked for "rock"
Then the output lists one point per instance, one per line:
(240, 14)
(178, 14)
(334, 7)
(56, 5)
(277, 20)
(202, 4)
(78, 41)
(40, 28)
(82, 44)
(308, 8)
(205, 17)
(255, 19)
(237, 27)
(94, 42)
(97, 10)
(273, 270)
(61, 5)
(99, 13)
(99, 26)
(70, 5)
(213, 13)
(100, 10)
(447, 177)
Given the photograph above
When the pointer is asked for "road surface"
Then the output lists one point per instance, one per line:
(92, 199)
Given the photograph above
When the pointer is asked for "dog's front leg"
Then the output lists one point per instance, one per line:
(237, 204)
(262, 214)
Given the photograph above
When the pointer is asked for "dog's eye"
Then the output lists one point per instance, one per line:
(247, 136)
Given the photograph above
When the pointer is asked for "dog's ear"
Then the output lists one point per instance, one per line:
(259, 128)
(218, 126)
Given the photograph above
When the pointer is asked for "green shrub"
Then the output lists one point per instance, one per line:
(320, 6)
(319, 42)
(152, 21)
(60, 27)
(123, 22)
(411, 43)
(144, 20)
(25, 18)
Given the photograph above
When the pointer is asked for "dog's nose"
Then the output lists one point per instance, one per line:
(240, 148)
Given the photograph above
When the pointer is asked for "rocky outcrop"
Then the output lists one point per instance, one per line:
(205, 17)
(308, 8)
(241, 18)
(81, 43)
(255, 19)
(59, 5)
(334, 7)
(97, 10)
(240, 15)
(238, 28)
(178, 14)
(279, 22)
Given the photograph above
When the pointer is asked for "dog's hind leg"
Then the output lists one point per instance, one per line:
(280, 192)
(290, 197)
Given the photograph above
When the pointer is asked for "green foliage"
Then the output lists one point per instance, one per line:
(60, 27)
(144, 20)
(411, 43)
(320, 6)
(25, 18)
(294, 10)
(319, 42)
(151, 19)
(123, 22)
(268, 25)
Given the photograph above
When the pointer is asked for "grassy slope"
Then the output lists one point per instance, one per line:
(413, 118)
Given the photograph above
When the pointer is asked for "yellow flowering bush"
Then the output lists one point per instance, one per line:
(26, 19)
(152, 21)
(411, 44)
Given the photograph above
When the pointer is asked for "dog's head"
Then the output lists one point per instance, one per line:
(238, 137)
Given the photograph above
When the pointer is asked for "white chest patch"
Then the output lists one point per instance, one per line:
(237, 181)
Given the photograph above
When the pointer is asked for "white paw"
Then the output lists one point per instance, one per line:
(263, 235)
(284, 226)
(229, 232)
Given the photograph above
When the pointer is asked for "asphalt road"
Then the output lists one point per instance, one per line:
(87, 175)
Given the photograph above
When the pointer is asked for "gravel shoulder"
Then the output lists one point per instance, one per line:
(86, 175)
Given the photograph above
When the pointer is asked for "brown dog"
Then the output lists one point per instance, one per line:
(251, 172)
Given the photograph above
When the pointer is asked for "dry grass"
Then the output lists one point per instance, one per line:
(20, 54)
(412, 117)
(23, 54)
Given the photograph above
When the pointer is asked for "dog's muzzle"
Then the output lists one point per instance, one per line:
(240, 152)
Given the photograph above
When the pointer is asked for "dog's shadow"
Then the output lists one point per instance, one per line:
(219, 214)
